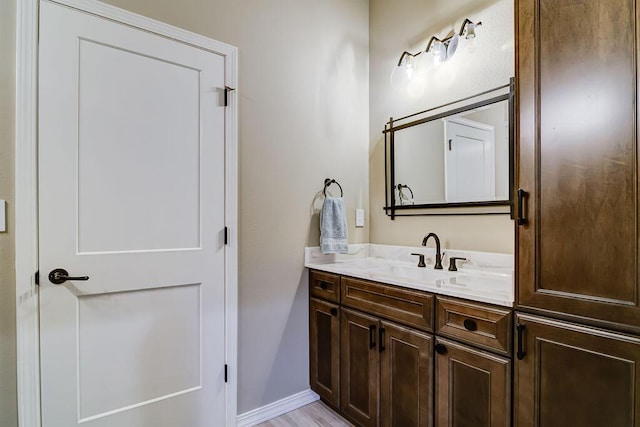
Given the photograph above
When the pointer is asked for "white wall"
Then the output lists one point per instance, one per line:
(408, 25)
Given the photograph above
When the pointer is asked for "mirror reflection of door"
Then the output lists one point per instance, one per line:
(469, 160)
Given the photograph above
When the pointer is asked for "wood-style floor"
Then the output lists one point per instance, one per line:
(314, 414)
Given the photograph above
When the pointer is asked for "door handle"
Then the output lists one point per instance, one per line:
(372, 336)
(521, 220)
(381, 346)
(60, 275)
(520, 353)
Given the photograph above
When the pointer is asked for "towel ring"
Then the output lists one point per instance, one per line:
(400, 194)
(328, 182)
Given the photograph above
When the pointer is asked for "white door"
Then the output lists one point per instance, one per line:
(131, 188)
(469, 161)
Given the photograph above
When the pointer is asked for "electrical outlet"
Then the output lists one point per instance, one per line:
(359, 217)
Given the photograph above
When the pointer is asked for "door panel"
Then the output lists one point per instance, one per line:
(574, 375)
(473, 387)
(360, 364)
(119, 128)
(406, 377)
(324, 351)
(577, 254)
(131, 154)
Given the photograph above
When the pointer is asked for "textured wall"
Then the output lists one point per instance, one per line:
(408, 25)
(303, 116)
(8, 409)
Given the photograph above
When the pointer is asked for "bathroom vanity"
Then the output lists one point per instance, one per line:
(395, 344)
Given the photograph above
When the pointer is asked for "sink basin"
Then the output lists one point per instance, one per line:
(417, 274)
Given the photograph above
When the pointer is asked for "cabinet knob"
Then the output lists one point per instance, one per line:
(470, 325)
(323, 286)
(333, 311)
(441, 349)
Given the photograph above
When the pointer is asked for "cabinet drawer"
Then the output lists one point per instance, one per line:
(478, 324)
(324, 285)
(412, 308)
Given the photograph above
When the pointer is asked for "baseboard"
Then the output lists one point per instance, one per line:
(275, 409)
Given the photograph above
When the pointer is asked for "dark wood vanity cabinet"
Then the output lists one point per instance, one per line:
(387, 372)
(381, 346)
(472, 385)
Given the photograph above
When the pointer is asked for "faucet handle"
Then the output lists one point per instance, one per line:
(452, 262)
(421, 262)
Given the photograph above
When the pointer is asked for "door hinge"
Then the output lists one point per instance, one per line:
(37, 277)
(227, 89)
(226, 373)
(226, 235)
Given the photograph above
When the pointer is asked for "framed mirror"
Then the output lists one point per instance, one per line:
(453, 159)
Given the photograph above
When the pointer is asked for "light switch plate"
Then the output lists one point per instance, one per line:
(359, 217)
(3, 216)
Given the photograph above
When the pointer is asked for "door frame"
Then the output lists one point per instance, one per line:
(26, 194)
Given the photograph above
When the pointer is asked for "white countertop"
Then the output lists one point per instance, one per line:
(485, 277)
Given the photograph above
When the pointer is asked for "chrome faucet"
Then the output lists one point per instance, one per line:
(438, 265)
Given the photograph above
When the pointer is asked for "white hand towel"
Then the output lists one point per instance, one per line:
(333, 227)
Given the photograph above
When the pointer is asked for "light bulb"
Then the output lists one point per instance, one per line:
(471, 31)
(439, 51)
(406, 71)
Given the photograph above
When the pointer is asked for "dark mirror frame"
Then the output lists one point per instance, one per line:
(489, 207)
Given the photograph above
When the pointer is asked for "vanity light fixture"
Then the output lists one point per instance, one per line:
(441, 50)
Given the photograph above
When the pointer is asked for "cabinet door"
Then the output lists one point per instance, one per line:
(571, 375)
(473, 387)
(324, 350)
(578, 158)
(360, 367)
(406, 377)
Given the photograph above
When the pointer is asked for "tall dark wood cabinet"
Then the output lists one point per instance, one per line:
(578, 214)
(577, 82)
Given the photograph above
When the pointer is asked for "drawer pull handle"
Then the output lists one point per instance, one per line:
(381, 347)
(323, 285)
(372, 336)
(470, 325)
(441, 349)
(521, 220)
(520, 353)
(333, 311)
